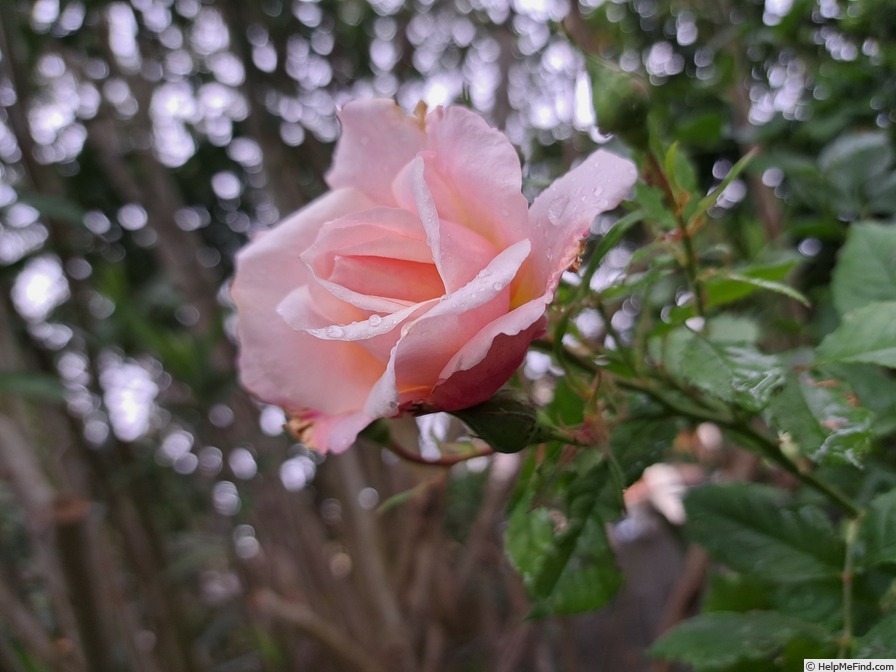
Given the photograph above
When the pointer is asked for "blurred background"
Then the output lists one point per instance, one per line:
(153, 517)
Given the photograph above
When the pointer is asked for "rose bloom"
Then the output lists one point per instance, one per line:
(418, 281)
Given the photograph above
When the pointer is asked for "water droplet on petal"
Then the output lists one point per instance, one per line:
(484, 273)
(335, 331)
(497, 286)
(556, 209)
(505, 212)
(375, 320)
(598, 191)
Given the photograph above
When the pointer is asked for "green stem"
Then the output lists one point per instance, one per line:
(443, 461)
(852, 533)
(773, 452)
(690, 256)
(699, 413)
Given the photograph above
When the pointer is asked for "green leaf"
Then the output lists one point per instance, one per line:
(878, 529)
(723, 287)
(852, 162)
(819, 601)
(680, 170)
(748, 528)
(737, 374)
(718, 640)
(54, 207)
(642, 440)
(821, 421)
(567, 407)
(653, 201)
(610, 240)
(729, 591)
(866, 335)
(879, 641)
(710, 199)
(31, 384)
(866, 269)
(729, 282)
(704, 129)
(561, 550)
(803, 176)
(883, 195)
(875, 389)
(730, 328)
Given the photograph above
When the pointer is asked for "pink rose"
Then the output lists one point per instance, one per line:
(418, 281)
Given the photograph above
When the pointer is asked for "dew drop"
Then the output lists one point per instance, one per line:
(505, 212)
(497, 286)
(484, 273)
(598, 192)
(375, 320)
(556, 209)
(335, 331)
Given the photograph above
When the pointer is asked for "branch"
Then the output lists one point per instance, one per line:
(71, 516)
(303, 618)
(444, 461)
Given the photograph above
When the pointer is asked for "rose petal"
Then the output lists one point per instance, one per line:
(277, 364)
(562, 215)
(458, 252)
(490, 357)
(373, 326)
(496, 363)
(474, 175)
(428, 343)
(376, 304)
(335, 433)
(378, 139)
(383, 232)
(380, 253)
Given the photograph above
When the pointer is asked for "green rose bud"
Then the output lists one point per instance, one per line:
(621, 102)
(507, 422)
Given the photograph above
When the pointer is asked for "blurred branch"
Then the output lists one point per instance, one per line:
(768, 208)
(279, 161)
(581, 34)
(20, 468)
(177, 250)
(29, 630)
(369, 554)
(304, 619)
(71, 516)
(443, 461)
(501, 481)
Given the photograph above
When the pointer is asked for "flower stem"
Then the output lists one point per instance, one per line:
(444, 461)
(852, 533)
(690, 256)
